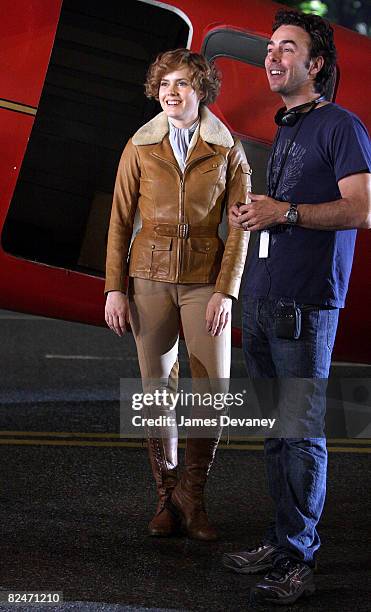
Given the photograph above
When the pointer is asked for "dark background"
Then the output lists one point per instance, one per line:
(353, 14)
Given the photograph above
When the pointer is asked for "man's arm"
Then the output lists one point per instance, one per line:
(353, 210)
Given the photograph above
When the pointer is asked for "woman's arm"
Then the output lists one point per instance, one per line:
(219, 308)
(235, 251)
(124, 205)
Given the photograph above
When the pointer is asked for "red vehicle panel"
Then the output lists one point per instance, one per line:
(27, 32)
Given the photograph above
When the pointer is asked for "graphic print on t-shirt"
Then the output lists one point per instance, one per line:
(309, 265)
(292, 171)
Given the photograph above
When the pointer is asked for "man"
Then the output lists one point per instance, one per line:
(319, 192)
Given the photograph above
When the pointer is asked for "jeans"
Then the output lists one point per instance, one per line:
(296, 463)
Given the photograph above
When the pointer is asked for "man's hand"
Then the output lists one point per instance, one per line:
(117, 312)
(218, 313)
(261, 213)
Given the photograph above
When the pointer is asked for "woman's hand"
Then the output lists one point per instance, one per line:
(117, 312)
(218, 313)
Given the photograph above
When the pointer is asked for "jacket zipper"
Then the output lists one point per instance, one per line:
(181, 190)
(182, 220)
(186, 169)
(181, 212)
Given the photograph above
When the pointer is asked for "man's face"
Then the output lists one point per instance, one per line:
(287, 62)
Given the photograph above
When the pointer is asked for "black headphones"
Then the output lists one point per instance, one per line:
(288, 118)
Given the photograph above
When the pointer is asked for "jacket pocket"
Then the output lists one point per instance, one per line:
(199, 255)
(200, 245)
(213, 167)
(139, 256)
(161, 254)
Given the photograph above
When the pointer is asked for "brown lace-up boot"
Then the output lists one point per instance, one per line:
(187, 497)
(163, 458)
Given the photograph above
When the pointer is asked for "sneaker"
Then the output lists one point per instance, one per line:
(284, 584)
(251, 560)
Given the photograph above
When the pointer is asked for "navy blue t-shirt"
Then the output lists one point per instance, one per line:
(311, 266)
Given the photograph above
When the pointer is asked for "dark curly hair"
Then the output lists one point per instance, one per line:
(205, 78)
(322, 41)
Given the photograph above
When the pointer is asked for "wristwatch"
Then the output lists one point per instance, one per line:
(292, 214)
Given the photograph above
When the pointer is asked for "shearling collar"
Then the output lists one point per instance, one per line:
(212, 130)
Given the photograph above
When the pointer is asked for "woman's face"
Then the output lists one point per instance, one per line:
(178, 98)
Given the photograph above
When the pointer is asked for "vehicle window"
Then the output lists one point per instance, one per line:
(92, 102)
(245, 100)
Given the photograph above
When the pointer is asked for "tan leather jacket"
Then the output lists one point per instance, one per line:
(178, 241)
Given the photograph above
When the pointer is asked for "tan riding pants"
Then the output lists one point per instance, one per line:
(156, 311)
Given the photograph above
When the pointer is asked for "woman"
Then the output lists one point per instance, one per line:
(181, 170)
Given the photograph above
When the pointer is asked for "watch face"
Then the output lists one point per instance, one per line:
(292, 215)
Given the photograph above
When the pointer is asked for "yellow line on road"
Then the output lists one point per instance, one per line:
(350, 440)
(85, 434)
(98, 443)
(61, 434)
(36, 442)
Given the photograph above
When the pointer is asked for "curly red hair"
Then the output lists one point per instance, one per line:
(205, 77)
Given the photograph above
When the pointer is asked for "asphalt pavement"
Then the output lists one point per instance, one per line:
(75, 498)
(74, 520)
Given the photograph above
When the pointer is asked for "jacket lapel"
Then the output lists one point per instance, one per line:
(163, 151)
(201, 149)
